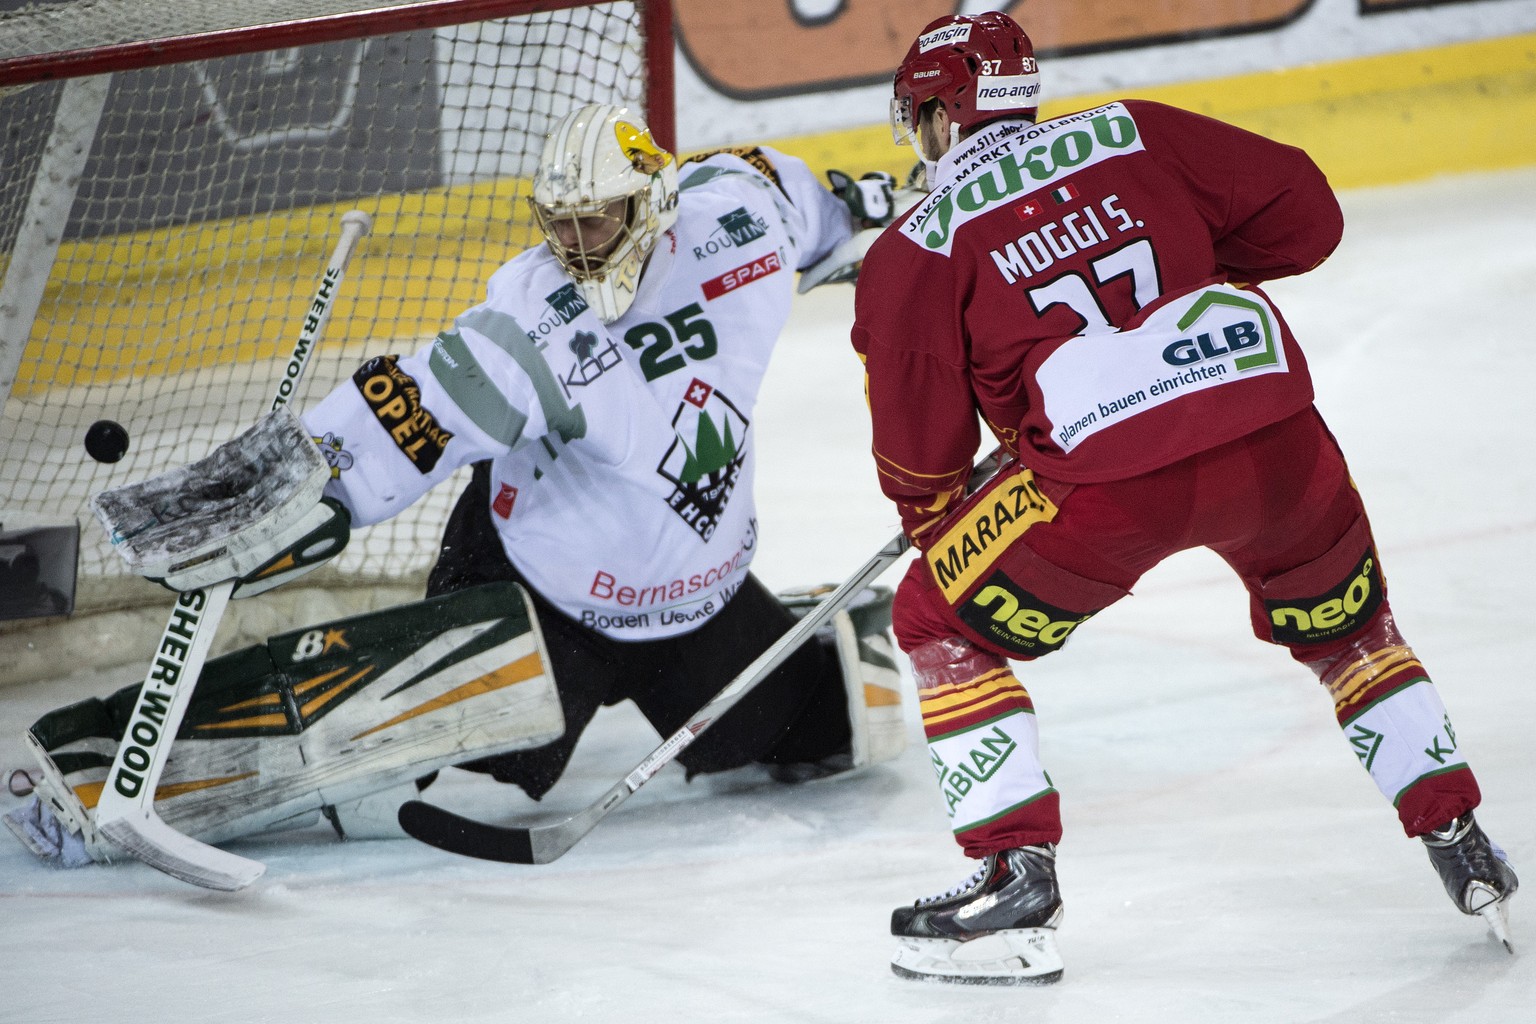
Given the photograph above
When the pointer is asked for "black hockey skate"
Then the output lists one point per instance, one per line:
(1476, 873)
(996, 928)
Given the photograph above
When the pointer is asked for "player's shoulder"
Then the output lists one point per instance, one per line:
(1170, 122)
(525, 279)
(700, 169)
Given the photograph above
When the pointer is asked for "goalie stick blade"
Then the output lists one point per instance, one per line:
(465, 836)
(161, 847)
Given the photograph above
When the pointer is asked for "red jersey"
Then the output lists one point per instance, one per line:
(1038, 238)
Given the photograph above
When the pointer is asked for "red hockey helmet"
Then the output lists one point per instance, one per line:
(981, 68)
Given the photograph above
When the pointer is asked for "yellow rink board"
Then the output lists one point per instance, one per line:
(1370, 121)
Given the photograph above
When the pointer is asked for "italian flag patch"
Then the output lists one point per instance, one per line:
(1064, 194)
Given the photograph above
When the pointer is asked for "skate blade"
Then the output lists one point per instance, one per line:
(1496, 915)
(1021, 956)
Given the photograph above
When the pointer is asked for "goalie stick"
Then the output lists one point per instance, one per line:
(125, 813)
(541, 844)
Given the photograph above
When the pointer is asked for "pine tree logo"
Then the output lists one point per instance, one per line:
(705, 460)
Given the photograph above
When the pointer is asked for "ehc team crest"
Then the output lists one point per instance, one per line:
(705, 460)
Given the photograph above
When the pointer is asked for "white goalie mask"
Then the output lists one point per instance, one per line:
(603, 194)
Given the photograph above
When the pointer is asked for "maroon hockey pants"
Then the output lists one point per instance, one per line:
(1278, 506)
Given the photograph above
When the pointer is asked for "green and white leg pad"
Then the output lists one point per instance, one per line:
(339, 719)
(860, 636)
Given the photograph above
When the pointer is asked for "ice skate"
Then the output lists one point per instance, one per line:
(998, 927)
(1475, 871)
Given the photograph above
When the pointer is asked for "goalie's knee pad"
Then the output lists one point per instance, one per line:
(860, 640)
(324, 717)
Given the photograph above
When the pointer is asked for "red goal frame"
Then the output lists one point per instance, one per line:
(379, 17)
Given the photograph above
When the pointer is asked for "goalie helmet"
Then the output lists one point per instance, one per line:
(980, 68)
(603, 195)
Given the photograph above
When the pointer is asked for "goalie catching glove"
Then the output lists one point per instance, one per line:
(252, 512)
(875, 201)
(871, 198)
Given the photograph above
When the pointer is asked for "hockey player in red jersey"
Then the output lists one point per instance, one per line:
(1088, 286)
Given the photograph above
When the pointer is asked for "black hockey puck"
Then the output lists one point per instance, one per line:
(106, 441)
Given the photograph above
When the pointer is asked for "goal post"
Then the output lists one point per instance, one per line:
(173, 176)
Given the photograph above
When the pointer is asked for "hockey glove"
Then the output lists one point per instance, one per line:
(871, 199)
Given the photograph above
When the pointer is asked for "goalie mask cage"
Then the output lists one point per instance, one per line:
(173, 180)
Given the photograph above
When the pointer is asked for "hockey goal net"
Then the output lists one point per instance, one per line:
(174, 179)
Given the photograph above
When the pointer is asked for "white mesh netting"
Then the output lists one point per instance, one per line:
(210, 201)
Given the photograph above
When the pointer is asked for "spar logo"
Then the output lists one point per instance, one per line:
(744, 274)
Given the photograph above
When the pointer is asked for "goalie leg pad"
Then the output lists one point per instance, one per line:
(860, 637)
(323, 717)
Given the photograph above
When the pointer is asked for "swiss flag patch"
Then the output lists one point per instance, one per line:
(1029, 209)
(744, 274)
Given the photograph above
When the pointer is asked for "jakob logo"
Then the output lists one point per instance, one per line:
(395, 398)
(705, 460)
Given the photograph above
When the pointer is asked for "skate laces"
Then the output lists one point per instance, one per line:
(955, 890)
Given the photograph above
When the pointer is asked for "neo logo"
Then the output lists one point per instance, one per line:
(1332, 614)
(1025, 623)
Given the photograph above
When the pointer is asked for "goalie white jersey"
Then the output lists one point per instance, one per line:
(622, 454)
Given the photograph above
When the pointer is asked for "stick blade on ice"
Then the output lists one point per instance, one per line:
(155, 843)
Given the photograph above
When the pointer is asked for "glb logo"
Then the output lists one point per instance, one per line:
(1016, 619)
(1341, 610)
(1234, 338)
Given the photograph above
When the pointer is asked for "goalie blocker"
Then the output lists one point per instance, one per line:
(331, 720)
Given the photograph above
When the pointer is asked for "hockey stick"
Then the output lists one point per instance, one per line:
(541, 844)
(125, 812)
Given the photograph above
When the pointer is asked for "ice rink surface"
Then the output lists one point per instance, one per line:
(1226, 857)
